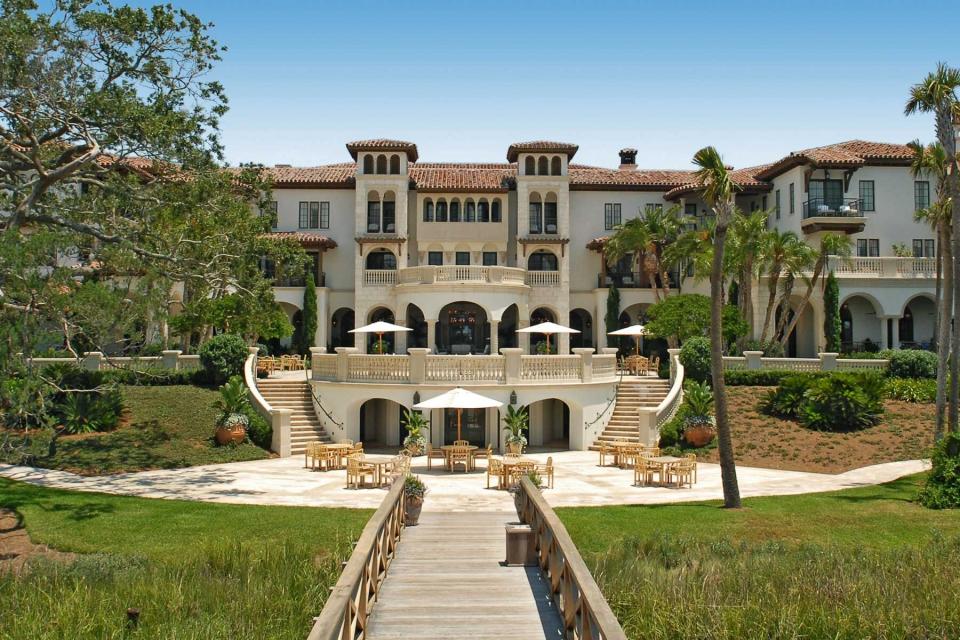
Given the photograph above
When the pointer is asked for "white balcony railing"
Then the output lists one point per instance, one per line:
(883, 267)
(422, 368)
(543, 278)
(430, 274)
(379, 277)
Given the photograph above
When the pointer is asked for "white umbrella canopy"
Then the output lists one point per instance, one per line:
(459, 399)
(632, 330)
(380, 327)
(548, 329)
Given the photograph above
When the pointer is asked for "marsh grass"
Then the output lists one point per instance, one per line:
(671, 587)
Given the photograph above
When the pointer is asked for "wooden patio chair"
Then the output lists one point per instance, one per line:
(681, 472)
(651, 452)
(459, 455)
(483, 454)
(692, 457)
(606, 449)
(520, 470)
(545, 471)
(357, 470)
(495, 469)
(461, 443)
(642, 472)
(309, 454)
(434, 454)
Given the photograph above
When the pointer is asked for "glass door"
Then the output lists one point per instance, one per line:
(472, 426)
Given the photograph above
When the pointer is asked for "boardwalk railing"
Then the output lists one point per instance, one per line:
(754, 361)
(585, 612)
(345, 614)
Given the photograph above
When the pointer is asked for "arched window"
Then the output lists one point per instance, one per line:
(381, 163)
(454, 211)
(530, 166)
(470, 211)
(395, 164)
(542, 167)
(550, 213)
(428, 210)
(483, 211)
(389, 212)
(542, 261)
(368, 164)
(536, 213)
(495, 212)
(441, 210)
(381, 259)
(555, 166)
(373, 212)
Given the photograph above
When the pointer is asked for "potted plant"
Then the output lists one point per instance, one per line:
(416, 424)
(233, 405)
(517, 421)
(699, 427)
(413, 490)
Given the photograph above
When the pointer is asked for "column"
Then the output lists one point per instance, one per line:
(884, 340)
(494, 337)
(894, 332)
(586, 367)
(524, 341)
(171, 359)
(92, 360)
(753, 359)
(563, 343)
(400, 340)
(511, 364)
(432, 335)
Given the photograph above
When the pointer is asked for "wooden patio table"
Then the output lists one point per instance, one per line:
(626, 453)
(663, 462)
(381, 467)
(508, 464)
(341, 448)
(448, 449)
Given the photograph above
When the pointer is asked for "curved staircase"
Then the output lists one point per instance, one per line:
(295, 394)
(632, 394)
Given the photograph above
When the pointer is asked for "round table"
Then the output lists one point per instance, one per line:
(447, 448)
(509, 462)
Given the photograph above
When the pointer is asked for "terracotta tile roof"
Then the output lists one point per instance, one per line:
(597, 243)
(585, 178)
(745, 178)
(329, 176)
(382, 144)
(545, 146)
(853, 153)
(305, 238)
(463, 177)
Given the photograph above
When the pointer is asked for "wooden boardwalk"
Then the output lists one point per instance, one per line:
(447, 581)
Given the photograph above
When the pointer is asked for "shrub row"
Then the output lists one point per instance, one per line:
(842, 401)
(911, 390)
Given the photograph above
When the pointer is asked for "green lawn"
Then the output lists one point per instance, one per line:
(169, 427)
(195, 570)
(861, 563)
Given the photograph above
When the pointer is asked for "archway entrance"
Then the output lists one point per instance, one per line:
(549, 424)
(916, 325)
(381, 314)
(381, 423)
(341, 324)
(860, 328)
(507, 330)
(538, 341)
(463, 329)
(582, 321)
(416, 338)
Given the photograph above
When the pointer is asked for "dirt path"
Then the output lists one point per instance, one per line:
(16, 547)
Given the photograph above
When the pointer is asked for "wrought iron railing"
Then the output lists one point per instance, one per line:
(832, 207)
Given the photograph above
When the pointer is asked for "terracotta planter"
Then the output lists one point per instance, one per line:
(411, 511)
(699, 435)
(514, 447)
(235, 434)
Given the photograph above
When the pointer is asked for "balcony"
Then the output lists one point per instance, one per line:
(628, 280)
(299, 281)
(832, 214)
(884, 267)
(460, 274)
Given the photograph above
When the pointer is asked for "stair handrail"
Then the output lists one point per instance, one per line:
(668, 406)
(250, 379)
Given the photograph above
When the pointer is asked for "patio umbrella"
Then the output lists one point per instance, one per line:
(548, 329)
(380, 327)
(632, 330)
(459, 399)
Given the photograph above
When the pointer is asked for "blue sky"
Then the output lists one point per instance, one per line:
(463, 80)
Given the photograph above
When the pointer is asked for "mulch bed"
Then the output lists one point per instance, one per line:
(16, 548)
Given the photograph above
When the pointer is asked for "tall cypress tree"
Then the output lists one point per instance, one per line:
(309, 316)
(612, 318)
(831, 310)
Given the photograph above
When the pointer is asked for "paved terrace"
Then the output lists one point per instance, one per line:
(579, 482)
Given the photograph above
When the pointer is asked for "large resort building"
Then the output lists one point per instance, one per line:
(465, 254)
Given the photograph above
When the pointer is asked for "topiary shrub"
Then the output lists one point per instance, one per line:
(942, 490)
(695, 358)
(223, 356)
(911, 389)
(843, 402)
(912, 363)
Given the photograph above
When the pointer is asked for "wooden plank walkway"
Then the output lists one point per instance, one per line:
(447, 581)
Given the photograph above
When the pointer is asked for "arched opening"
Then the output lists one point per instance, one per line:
(507, 330)
(549, 424)
(542, 260)
(538, 341)
(428, 210)
(395, 165)
(860, 328)
(462, 328)
(470, 211)
(441, 210)
(916, 324)
(535, 213)
(802, 342)
(373, 212)
(529, 166)
(582, 321)
(341, 324)
(555, 166)
(381, 424)
(381, 164)
(495, 215)
(367, 164)
(389, 212)
(387, 342)
(542, 166)
(454, 211)
(550, 223)
(381, 259)
(295, 316)
(483, 210)
(417, 338)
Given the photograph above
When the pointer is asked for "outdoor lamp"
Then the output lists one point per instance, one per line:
(513, 397)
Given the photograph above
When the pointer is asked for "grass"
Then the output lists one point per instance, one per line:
(860, 563)
(195, 570)
(166, 428)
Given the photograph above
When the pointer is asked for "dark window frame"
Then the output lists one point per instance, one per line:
(612, 215)
(324, 214)
(776, 203)
(793, 198)
(921, 194)
(867, 192)
(461, 258)
(489, 258)
(435, 258)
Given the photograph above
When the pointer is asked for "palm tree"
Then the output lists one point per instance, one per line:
(693, 247)
(831, 244)
(932, 159)
(664, 227)
(937, 94)
(748, 232)
(719, 191)
(634, 238)
(782, 250)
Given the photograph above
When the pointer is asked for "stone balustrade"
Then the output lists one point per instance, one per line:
(422, 367)
(754, 361)
(170, 360)
(883, 267)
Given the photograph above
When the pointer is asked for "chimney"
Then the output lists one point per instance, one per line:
(628, 159)
(283, 166)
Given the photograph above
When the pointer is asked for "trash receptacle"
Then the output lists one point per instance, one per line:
(521, 545)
